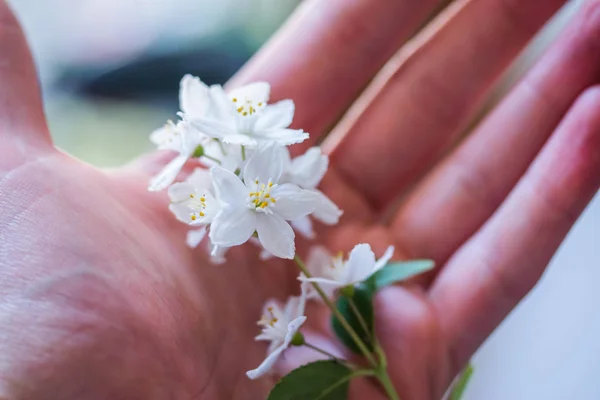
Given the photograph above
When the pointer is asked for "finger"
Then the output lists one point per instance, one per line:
(327, 52)
(415, 108)
(21, 113)
(464, 190)
(488, 276)
(407, 330)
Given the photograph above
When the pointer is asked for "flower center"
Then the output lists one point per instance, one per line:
(247, 107)
(173, 132)
(198, 206)
(261, 198)
(337, 266)
(269, 319)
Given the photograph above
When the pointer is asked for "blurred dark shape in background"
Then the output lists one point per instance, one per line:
(152, 79)
(110, 69)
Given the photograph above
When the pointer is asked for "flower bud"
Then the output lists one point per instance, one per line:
(298, 339)
(199, 152)
(347, 291)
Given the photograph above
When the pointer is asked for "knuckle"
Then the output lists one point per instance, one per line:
(591, 97)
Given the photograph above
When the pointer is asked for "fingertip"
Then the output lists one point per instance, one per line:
(21, 115)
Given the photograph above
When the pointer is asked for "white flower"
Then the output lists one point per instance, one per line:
(318, 262)
(193, 201)
(195, 236)
(180, 137)
(361, 264)
(194, 97)
(243, 117)
(194, 101)
(223, 155)
(307, 171)
(279, 327)
(259, 203)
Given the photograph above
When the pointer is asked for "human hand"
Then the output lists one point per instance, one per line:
(102, 299)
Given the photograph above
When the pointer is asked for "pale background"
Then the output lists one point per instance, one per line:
(548, 348)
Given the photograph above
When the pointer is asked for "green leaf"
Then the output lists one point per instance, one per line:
(460, 385)
(398, 272)
(363, 300)
(320, 380)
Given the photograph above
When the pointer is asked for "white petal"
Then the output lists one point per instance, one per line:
(239, 139)
(191, 137)
(213, 206)
(276, 116)
(195, 236)
(294, 306)
(165, 139)
(286, 158)
(200, 179)
(264, 255)
(303, 226)
(293, 327)
(326, 211)
(387, 256)
(267, 364)
(322, 281)
(229, 188)
(284, 137)
(293, 202)
(194, 99)
(222, 108)
(213, 128)
(264, 164)
(276, 235)
(233, 226)
(183, 213)
(168, 174)
(308, 170)
(318, 260)
(258, 92)
(217, 254)
(180, 191)
(360, 265)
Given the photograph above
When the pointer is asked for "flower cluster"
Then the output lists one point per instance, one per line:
(250, 186)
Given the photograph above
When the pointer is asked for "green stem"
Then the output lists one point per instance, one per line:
(221, 147)
(359, 316)
(386, 382)
(320, 350)
(381, 355)
(361, 345)
(243, 153)
(212, 158)
(328, 354)
(355, 374)
(382, 374)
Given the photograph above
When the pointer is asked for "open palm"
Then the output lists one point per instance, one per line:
(101, 298)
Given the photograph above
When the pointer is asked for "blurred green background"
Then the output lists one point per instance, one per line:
(110, 69)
